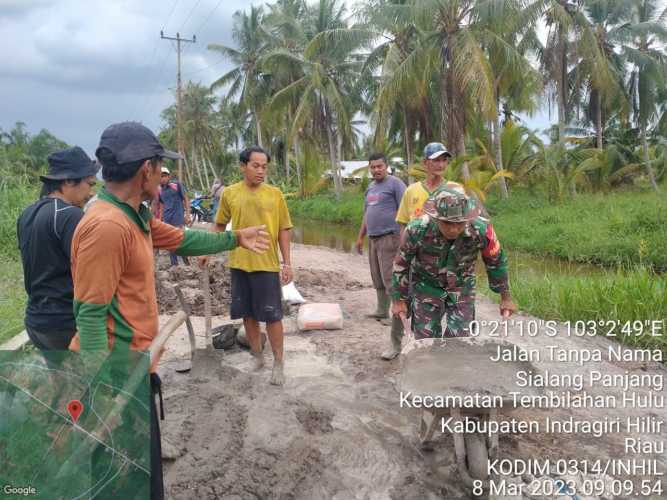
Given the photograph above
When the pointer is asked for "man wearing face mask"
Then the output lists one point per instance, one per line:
(441, 247)
(45, 230)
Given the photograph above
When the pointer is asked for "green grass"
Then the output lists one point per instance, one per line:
(624, 232)
(12, 299)
(13, 199)
(609, 229)
(325, 207)
(614, 295)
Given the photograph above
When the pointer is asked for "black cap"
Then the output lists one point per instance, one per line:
(72, 163)
(131, 141)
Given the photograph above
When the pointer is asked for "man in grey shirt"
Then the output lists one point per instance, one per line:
(381, 202)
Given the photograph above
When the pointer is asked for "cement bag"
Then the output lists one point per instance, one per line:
(291, 294)
(320, 317)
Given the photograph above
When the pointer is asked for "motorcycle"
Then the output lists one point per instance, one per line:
(199, 211)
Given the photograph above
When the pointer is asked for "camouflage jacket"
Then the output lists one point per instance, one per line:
(446, 268)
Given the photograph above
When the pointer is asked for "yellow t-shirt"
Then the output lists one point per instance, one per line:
(247, 207)
(414, 198)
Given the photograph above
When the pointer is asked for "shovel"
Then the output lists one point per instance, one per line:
(186, 365)
(206, 361)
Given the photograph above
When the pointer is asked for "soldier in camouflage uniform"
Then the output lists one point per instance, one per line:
(442, 247)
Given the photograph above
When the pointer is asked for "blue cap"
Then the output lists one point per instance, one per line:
(435, 149)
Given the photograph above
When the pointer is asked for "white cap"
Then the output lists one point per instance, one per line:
(165, 170)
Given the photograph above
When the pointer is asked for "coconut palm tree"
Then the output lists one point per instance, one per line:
(323, 80)
(600, 68)
(555, 57)
(508, 36)
(402, 94)
(647, 80)
(246, 79)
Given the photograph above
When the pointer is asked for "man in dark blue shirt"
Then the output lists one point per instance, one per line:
(45, 231)
(173, 206)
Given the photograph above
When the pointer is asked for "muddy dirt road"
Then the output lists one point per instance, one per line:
(335, 430)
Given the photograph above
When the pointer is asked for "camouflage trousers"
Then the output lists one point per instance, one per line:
(428, 311)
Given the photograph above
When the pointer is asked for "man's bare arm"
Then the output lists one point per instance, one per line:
(362, 233)
(284, 245)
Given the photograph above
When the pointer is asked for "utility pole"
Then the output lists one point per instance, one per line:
(179, 133)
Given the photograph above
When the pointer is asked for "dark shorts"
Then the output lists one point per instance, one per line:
(52, 340)
(256, 295)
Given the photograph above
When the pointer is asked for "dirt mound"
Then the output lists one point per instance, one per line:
(314, 421)
(312, 283)
(189, 279)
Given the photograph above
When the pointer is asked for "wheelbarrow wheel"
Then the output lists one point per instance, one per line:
(477, 455)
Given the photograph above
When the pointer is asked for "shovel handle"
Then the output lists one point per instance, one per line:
(206, 286)
(167, 330)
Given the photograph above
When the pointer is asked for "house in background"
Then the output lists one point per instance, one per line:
(356, 170)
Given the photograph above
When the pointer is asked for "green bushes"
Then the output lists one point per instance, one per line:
(14, 197)
(350, 208)
(614, 295)
(612, 229)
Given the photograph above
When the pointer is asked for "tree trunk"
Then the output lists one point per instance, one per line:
(297, 159)
(452, 117)
(598, 118)
(286, 149)
(497, 145)
(197, 165)
(332, 159)
(647, 163)
(561, 85)
(332, 140)
(407, 138)
(258, 127)
(215, 175)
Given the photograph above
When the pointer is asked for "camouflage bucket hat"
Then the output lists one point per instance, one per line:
(449, 206)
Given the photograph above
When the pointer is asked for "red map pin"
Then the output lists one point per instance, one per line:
(74, 408)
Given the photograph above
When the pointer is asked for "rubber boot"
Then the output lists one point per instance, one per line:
(382, 309)
(396, 338)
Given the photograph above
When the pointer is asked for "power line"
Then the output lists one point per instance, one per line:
(208, 18)
(205, 68)
(173, 8)
(179, 135)
(146, 107)
(151, 98)
(189, 15)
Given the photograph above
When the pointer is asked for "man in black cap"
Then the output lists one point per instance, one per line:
(45, 230)
(112, 258)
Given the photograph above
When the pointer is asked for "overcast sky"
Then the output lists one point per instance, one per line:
(76, 66)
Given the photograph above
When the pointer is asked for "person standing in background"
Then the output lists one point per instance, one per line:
(174, 206)
(45, 230)
(381, 202)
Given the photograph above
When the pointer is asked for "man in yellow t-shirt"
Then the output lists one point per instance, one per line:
(257, 278)
(415, 196)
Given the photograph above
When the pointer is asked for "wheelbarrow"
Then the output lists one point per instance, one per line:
(456, 369)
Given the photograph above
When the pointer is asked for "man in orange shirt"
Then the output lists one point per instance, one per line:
(115, 305)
